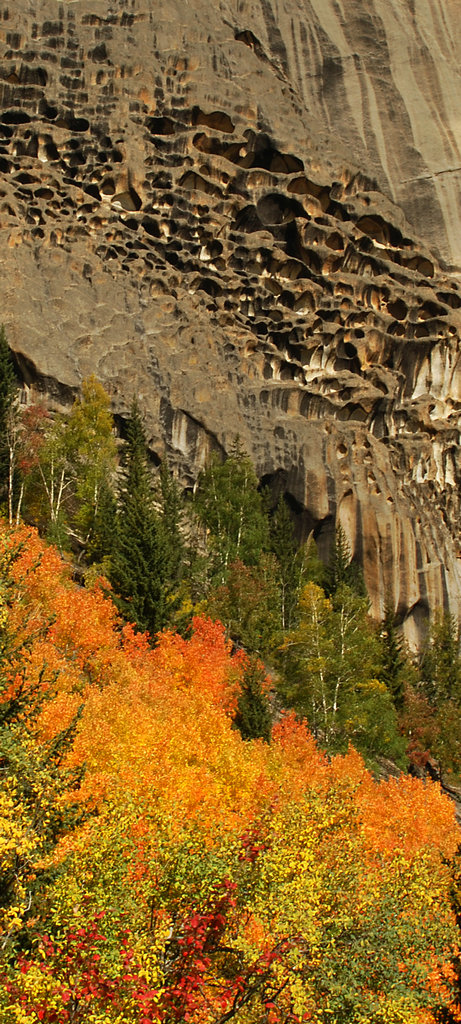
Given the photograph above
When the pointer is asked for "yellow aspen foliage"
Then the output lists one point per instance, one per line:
(214, 878)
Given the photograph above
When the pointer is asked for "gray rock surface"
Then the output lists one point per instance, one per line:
(245, 212)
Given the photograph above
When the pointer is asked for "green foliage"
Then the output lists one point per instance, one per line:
(296, 564)
(439, 686)
(8, 383)
(231, 509)
(147, 560)
(71, 462)
(172, 529)
(55, 477)
(91, 454)
(103, 535)
(331, 662)
(138, 565)
(394, 665)
(254, 717)
(341, 570)
(247, 605)
(440, 662)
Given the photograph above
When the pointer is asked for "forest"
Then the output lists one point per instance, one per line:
(194, 716)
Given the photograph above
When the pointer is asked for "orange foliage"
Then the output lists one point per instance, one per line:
(156, 728)
(154, 717)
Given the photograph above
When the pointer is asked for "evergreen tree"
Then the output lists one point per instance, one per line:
(285, 549)
(440, 685)
(231, 509)
(253, 718)
(247, 605)
(341, 570)
(139, 566)
(440, 662)
(103, 537)
(297, 564)
(172, 513)
(393, 667)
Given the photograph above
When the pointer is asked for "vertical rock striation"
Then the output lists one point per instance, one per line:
(249, 213)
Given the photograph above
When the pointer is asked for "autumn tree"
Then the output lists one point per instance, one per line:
(35, 785)
(219, 879)
(91, 453)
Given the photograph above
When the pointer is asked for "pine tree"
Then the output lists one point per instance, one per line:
(297, 564)
(253, 718)
(440, 661)
(285, 549)
(230, 507)
(172, 512)
(139, 565)
(342, 570)
(102, 541)
(247, 605)
(393, 662)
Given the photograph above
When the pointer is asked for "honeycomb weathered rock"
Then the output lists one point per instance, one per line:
(181, 214)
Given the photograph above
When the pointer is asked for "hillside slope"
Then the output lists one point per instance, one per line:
(233, 211)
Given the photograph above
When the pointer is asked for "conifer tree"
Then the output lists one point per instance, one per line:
(393, 661)
(440, 685)
(247, 605)
(102, 540)
(440, 662)
(231, 508)
(297, 564)
(172, 509)
(285, 549)
(342, 570)
(139, 564)
(253, 718)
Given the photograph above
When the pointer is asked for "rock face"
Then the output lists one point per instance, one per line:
(248, 213)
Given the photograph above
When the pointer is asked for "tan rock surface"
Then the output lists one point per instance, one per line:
(196, 205)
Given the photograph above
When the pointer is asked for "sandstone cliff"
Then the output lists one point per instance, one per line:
(247, 212)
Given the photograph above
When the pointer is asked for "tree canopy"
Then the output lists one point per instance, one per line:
(208, 877)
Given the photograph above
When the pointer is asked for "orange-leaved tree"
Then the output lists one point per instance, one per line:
(215, 878)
